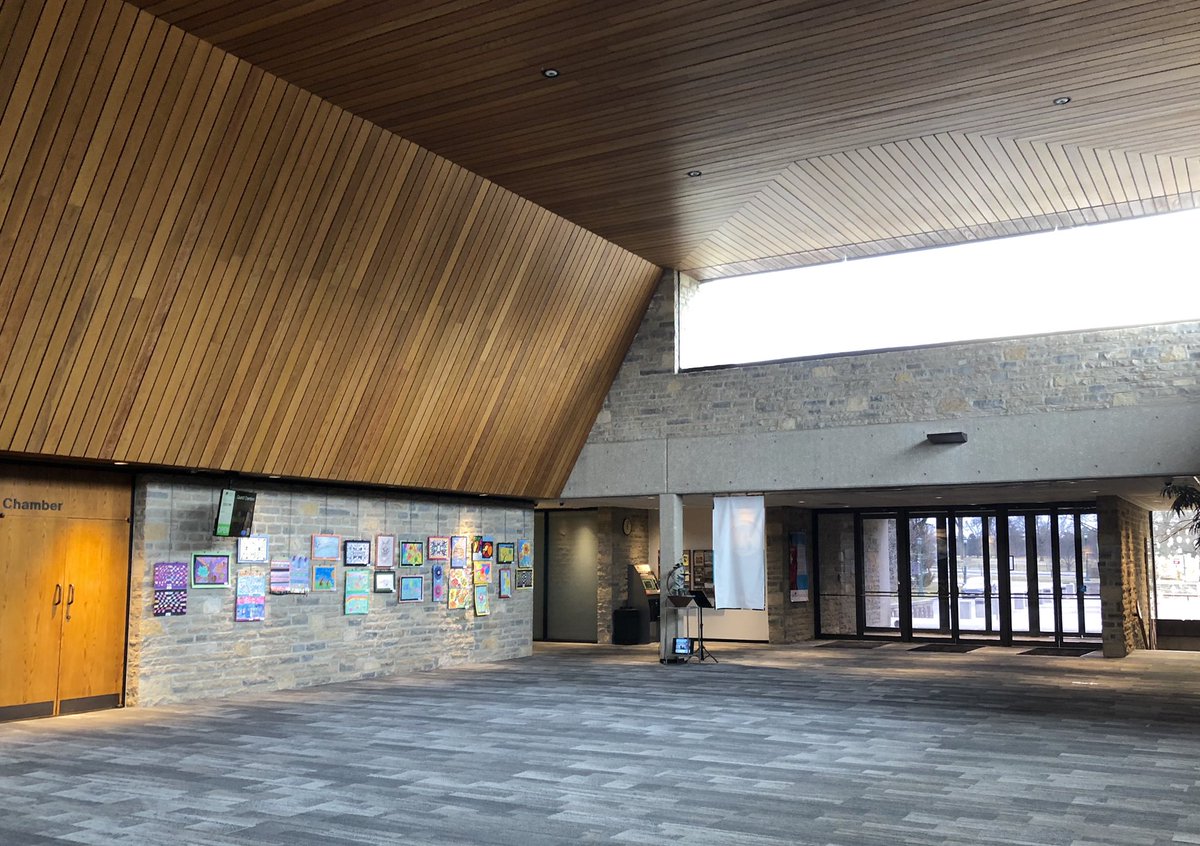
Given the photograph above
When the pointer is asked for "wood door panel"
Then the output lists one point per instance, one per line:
(30, 622)
(93, 639)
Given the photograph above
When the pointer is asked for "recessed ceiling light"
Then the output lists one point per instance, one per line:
(1061, 101)
(120, 463)
(694, 173)
(550, 73)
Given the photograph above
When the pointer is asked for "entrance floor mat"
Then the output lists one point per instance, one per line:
(1067, 651)
(947, 647)
(852, 644)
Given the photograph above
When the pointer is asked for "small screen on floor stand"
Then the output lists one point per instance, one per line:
(702, 602)
(683, 646)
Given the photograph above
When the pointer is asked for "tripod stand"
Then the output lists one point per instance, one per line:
(702, 652)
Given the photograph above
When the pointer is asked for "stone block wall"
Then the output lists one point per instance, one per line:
(837, 581)
(787, 621)
(1033, 375)
(1127, 621)
(616, 551)
(306, 639)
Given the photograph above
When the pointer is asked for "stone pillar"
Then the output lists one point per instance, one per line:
(616, 550)
(787, 621)
(670, 535)
(1126, 617)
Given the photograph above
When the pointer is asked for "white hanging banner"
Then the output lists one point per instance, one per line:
(739, 552)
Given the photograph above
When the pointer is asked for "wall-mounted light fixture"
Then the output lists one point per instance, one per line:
(946, 437)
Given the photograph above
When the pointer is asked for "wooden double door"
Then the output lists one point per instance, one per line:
(64, 588)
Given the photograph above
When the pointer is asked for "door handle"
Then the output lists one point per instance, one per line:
(70, 599)
(57, 595)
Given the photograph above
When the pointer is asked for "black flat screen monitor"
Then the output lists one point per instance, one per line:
(682, 646)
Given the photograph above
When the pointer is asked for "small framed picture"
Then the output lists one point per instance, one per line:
(385, 551)
(357, 553)
(506, 583)
(524, 579)
(506, 554)
(210, 569)
(326, 547)
(412, 588)
(253, 550)
(439, 549)
(412, 553)
(458, 551)
(324, 578)
(385, 581)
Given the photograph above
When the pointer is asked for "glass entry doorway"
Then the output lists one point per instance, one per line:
(1025, 574)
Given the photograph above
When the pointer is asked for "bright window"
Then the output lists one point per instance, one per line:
(1088, 277)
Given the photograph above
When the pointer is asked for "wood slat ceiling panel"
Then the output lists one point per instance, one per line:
(202, 265)
(938, 190)
(740, 89)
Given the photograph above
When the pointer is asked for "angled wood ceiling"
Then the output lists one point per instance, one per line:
(823, 128)
(202, 265)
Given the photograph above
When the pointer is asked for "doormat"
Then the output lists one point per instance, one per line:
(852, 644)
(947, 647)
(1065, 651)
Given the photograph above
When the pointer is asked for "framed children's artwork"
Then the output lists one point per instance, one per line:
(251, 592)
(458, 551)
(412, 553)
(385, 551)
(326, 547)
(483, 572)
(525, 579)
(171, 575)
(482, 548)
(281, 577)
(358, 591)
(438, 549)
(459, 589)
(412, 588)
(525, 554)
(506, 554)
(385, 581)
(439, 582)
(170, 603)
(210, 569)
(324, 578)
(357, 553)
(253, 550)
(299, 575)
(482, 609)
(506, 583)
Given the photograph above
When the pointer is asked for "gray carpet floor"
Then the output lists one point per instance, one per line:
(774, 745)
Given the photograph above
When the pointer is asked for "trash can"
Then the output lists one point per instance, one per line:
(625, 626)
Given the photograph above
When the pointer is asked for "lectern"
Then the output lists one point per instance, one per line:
(702, 653)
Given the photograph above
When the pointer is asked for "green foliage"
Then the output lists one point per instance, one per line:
(1185, 501)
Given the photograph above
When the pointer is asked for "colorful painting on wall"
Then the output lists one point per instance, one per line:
(412, 588)
(358, 591)
(384, 581)
(439, 549)
(326, 547)
(170, 603)
(324, 578)
(506, 554)
(482, 548)
(357, 553)
(171, 575)
(525, 554)
(482, 609)
(458, 551)
(281, 577)
(439, 583)
(210, 570)
(506, 583)
(299, 575)
(459, 593)
(251, 604)
(525, 579)
(385, 551)
(483, 572)
(412, 553)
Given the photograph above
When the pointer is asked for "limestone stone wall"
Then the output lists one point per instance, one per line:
(787, 621)
(616, 551)
(306, 639)
(1127, 621)
(1034, 375)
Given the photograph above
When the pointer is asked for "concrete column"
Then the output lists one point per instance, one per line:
(670, 535)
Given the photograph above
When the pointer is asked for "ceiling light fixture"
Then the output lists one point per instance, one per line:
(694, 173)
(550, 73)
(1061, 101)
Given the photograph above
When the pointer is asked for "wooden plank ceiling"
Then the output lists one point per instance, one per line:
(204, 266)
(823, 129)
